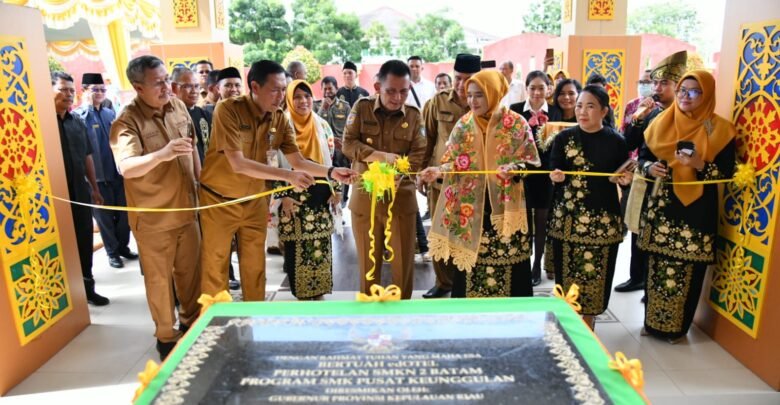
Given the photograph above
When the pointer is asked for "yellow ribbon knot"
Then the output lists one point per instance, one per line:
(145, 377)
(630, 369)
(402, 165)
(572, 297)
(378, 181)
(380, 294)
(745, 175)
(206, 300)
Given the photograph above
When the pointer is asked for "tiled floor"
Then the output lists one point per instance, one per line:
(101, 365)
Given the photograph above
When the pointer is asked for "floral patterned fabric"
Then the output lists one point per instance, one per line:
(585, 225)
(457, 227)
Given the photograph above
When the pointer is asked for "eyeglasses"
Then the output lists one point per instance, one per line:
(187, 86)
(98, 89)
(160, 83)
(645, 82)
(67, 90)
(690, 93)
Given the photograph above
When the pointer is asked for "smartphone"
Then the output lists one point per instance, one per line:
(686, 147)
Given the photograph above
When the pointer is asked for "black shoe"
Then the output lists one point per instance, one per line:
(630, 285)
(536, 280)
(129, 254)
(427, 216)
(97, 299)
(165, 348)
(183, 328)
(273, 250)
(436, 292)
(93, 297)
(115, 262)
(234, 285)
(644, 299)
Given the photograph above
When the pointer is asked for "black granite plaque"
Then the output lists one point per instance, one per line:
(499, 358)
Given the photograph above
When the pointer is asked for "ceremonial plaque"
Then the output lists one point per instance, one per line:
(489, 351)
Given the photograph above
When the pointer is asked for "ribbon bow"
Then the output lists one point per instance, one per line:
(570, 297)
(145, 377)
(745, 175)
(206, 300)
(379, 180)
(380, 294)
(537, 119)
(630, 369)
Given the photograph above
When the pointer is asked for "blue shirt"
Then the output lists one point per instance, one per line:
(98, 129)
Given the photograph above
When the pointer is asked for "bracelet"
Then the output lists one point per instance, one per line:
(330, 171)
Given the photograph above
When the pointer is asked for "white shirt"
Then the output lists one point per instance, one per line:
(425, 90)
(515, 94)
(527, 107)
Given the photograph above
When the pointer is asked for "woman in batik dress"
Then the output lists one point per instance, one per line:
(480, 221)
(306, 222)
(679, 222)
(585, 226)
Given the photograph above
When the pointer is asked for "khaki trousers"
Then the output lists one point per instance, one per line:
(249, 222)
(403, 240)
(443, 270)
(170, 259)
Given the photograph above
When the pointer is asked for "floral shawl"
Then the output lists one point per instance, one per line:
(456, 230)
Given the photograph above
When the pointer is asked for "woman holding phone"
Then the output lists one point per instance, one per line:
(689, 142)
(585, 227)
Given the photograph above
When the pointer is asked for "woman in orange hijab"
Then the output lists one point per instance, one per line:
(480, 220)
(688, 142)
(306, 222)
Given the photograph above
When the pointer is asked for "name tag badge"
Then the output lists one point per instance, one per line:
(96, 126)
(272, 157)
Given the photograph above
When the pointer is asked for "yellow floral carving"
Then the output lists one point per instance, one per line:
(40, 288)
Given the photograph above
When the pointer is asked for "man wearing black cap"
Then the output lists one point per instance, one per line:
(440, 115)
(212, 96)
(351, 92)
(114, 229)
(229, 83)
(79, 168)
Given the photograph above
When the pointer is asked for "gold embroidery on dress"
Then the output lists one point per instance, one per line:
(668, 283)
(587, 267)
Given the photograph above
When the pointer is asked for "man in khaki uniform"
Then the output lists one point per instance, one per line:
(381, 128)
(246, 131)
(441, 114)
(154, 146)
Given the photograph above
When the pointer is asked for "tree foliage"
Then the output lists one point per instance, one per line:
(304, 55)
(544, 16)
(330, 35)
(434, 37)
(55, 65)
(672, 19)
(378, 39)
(261, 27)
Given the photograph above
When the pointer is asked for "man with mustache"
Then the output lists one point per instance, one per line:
(79, 167)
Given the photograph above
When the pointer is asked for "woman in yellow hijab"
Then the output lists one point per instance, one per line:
(480, 221)
(688, 142)
(306, 222)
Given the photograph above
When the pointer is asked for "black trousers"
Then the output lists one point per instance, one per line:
(422, 239)
(114, 229)
(82, 224)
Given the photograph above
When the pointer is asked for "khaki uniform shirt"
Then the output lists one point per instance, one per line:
(336, 115)
(370, 128)
(441, 114)
(140, 130)
(238, 125)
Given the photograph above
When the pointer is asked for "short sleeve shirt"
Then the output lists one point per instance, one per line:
(238, 125)
(141, 130)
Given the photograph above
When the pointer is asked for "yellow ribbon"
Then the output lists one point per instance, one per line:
(571, 297)
(380, 294)
(145, 377)
(745, 175)
(379, 180)
(630, 369)
(206, 300)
